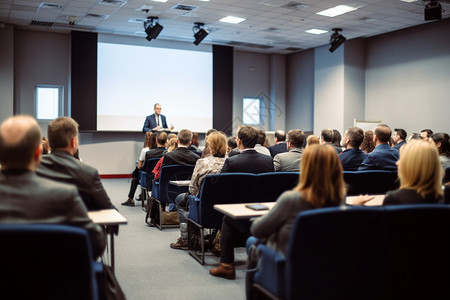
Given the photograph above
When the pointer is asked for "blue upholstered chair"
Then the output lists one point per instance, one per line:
(47, 262)
(370, 182)
(360, 253)
(271, 185)
(145, 177)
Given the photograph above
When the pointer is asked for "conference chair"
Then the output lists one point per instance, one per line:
(145, 177)
(446, 176)
(47, 261)
(270, 186)
(370, 182)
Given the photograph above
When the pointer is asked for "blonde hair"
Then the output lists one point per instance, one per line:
(321, 178)
(217, 143)
(173, 144)
(312, 140)
(419, 168)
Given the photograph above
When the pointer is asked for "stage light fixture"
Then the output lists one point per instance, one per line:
(336, 39)
(152, 28)
(433, 11)
(199, 32)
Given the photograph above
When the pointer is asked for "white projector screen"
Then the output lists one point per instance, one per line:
(131, 79)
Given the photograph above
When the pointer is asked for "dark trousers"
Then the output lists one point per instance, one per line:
(233, 234)
(134, 184)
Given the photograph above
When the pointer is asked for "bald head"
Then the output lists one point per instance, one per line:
(280, 136)
(383, 133)
(20, 143)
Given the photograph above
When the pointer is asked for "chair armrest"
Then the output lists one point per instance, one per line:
(194, 209)
(270, 274)
(100, 278)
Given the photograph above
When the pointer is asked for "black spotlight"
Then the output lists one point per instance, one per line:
(336, 39)
(199, 33)
(152, 28)
(433, 11)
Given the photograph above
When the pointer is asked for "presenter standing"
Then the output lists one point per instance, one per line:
(155, 121)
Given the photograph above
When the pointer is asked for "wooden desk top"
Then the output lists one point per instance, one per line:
(180, 182)
(239, 211)
(107, 217)
(377, 201)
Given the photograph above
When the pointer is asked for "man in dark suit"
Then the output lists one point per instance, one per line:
(155, 121)
(326, 137)
(60, 165)
(290, 161)
(27, 198)
(280, 143)
(182, 155)
(383, 157)
(399, 138)
(352, 157)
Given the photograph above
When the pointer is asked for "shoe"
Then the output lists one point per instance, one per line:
(228, 272)
(138, 198)
(180, 244)
(128, 203)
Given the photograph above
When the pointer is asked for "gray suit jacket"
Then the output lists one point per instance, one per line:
(288, 161)
(63, 167)
(27, 198)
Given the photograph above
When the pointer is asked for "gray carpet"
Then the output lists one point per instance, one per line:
(147, 268)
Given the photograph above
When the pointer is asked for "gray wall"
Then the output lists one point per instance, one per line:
(6, 72)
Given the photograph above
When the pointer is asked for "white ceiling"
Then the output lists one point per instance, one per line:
(271, 26)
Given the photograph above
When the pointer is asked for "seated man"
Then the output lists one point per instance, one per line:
(399, 138)
(182, 155)
(290, 161)
(383, 157)
(60, 165)
(326, 137)
(259, 147)
(27, 198)
(352, 157)
(280, 143)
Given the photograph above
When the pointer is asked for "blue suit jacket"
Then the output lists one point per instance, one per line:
(150, 123)
(382, 157)
(278, 148)
(351, 159)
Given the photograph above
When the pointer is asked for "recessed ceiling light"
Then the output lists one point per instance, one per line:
(231, 19)
(336, 11)
(163, 1)
(409, 1)
(316, 31)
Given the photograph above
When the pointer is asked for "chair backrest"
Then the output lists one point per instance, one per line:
(168, 192)
(370, 253)
(223, 188)
(46, 262)
(271, 185)
(146, 176)
(370, 182)
(446, 178)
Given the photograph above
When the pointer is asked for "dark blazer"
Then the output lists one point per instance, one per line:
(63, 167)
(28, 198)
(351, 159)
(382, 157)
(180, 156)
(150, 123)
(249, 161)
(399, 145)
(234, 151)
(278, 148)
(157, 152)
(408, 196)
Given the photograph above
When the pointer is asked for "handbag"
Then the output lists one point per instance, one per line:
(111, 287)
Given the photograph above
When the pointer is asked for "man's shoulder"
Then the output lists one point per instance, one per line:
(44, 186)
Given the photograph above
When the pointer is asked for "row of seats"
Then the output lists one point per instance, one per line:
(393, 252)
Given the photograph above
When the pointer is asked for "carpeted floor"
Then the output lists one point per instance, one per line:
(147, 268)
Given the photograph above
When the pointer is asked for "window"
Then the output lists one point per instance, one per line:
(251, 111)
(49, 101)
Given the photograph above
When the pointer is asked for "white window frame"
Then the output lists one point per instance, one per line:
(60, 101)
(252, 111)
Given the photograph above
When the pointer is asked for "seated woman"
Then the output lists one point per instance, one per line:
(420, 174)
(441, 140)
(211, 164)
(321, 185)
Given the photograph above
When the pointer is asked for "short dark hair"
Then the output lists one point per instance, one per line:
(296, 137)
(232, 142)
(20, 153)
(356, 136)
(248, 136)
(383, 133)
(327, 135)
(280, 135)
(61, 131)
(428, 131)
(210, 131)
(444, 139)
(401, 133)
(261, 137)
(161, 138)
(184, 137)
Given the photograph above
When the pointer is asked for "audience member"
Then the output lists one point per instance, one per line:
(426, 134)
(60, 165)
(312, 140)
(211, 164)
(414, 136)
(336, 140)
(194, 143)
(205, 151)
(382, 157)
(249, 161)
(259, 147)
(399, 138)
(172, 145)
(321, 185)
(326, 137)
(161, 143)
(367, 145)
(231, 142)
(290, 161)
(280, 143)
(45, 146)
(181, 155)
(27, 198)
(441, 140)
(420, 175)
(352, 157)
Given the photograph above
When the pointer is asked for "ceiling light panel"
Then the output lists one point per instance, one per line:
(336, 11)
(232, 20)
(316, 31)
